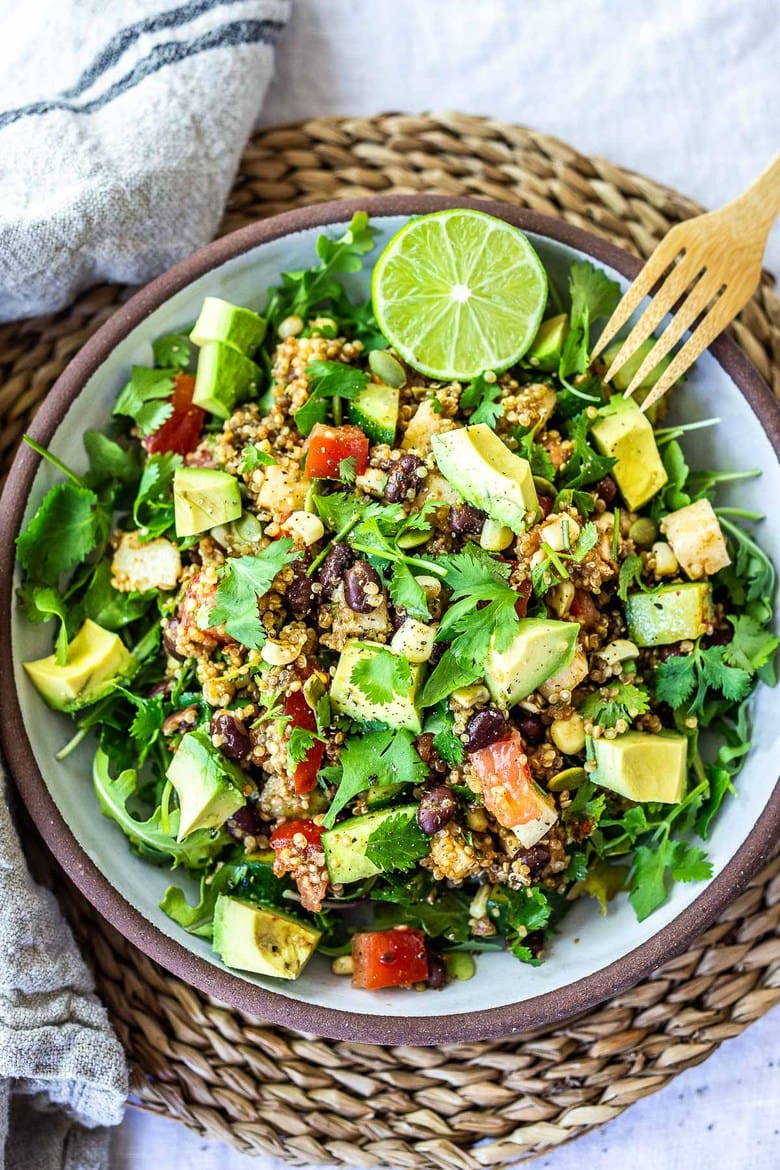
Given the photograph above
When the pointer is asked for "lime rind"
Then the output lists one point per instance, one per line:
(458, 292)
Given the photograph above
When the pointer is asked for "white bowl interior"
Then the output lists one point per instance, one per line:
(588, 942)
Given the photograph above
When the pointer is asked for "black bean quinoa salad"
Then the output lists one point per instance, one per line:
(399, 666)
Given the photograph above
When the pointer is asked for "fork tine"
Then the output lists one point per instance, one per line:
(662, 301)
(667, 251)
(714, 323)
(695, 303)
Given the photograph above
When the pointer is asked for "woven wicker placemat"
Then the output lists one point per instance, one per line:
(266, 1090)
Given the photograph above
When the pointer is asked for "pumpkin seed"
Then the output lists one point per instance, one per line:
(387, 368)
(567, 779)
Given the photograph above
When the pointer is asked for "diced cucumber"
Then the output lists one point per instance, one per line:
(345, 845)
(375, 411)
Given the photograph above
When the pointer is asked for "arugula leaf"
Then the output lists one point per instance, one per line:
(153, 505)
(380, 757)
(347, 469)
(672, 496)
(253, 457)
(406, 593)
(382, 676)
(679, 677)
(61, 534)
(481, 397)
(397, 843)
(108, 606)
(327, 380)
(615, 701)
(242, 581)
(173, 352)
(750, 579)
(585, 465)
(602, 881)
(41, 603)
(593, 295)
(146, 398)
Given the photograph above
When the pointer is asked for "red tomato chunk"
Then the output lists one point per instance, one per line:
(297, 847)
(388, 958)
(301, 715)
(181, 432)
(508, 789)
(327, 446)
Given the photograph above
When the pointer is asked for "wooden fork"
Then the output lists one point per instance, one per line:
(711, 265)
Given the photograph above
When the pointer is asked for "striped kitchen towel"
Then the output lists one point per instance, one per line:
(121, 128)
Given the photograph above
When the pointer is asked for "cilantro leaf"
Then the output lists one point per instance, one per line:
(242, 581)
(406, 593)
(173, 352)
(675, 680)
(541, 463)
(146, 398)
(380, 757)
(421, 902)
(61, 534)
(585, 465)
(253, 457)
(440, 722)
(153, 505)
(653, 866)
(732, 682)
(688, 863)
(41, 603)
(750, 578)
(615, 701)
(631, 574)
(481, 397)
(340, 509)
(299, 743)
(382, 676)
(347, 469)
(327, 380)
(752, 646)
(397, 843)
(593, 295)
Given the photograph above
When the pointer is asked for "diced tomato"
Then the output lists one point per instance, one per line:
(546, 504)
(327, 446)
(197, 603)
(523, 591)
(584, 609)
(301, 715)
(297, 847)
(181, 432)
(507, 786)
(388, 958)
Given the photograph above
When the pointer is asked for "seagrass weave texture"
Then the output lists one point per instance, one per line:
(267, 1090)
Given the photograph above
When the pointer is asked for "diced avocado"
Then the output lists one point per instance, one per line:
(224, 378)
(375, 411)
(546, 347)
(540, 649)
(345, 846)
(96, 660)
(204, 498)
(262, 939)
(488, 475)
(208, 785)
(220, 321)
(623, 432)
(348, 699)
(626, 372)
(643, 766)
(669, 614)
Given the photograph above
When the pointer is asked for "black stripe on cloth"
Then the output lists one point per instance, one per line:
(121, 41)
(239, 32)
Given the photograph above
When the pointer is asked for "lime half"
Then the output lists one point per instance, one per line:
(459, 292)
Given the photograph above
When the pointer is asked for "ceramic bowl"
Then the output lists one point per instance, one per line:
(593, 957)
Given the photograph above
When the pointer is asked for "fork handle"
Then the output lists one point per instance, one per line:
(763, 195)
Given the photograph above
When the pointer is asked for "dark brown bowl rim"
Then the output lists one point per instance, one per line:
(223, 985)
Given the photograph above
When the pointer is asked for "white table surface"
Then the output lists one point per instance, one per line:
(685, 91)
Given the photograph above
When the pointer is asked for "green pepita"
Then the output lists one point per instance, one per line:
(387, 368)
(567, 779)
(460, 964)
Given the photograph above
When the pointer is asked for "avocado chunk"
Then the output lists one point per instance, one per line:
(239, 328)
(345, 845)
(348, 699)
(224, 378)
(669, 614)
(262, 939)
(96, 660)
(623, 432)
(626, 372)
(643, 766)
(540, 649)
(204, 498)
(208, 785)
(375, 411)
(546, 347)
(488, 475)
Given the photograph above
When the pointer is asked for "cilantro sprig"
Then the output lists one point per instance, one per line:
(382, 676)
(382, 757)
(242, 582)
(555, 566)
(327, 380)
(614, 702)
(687, 678)
(482, 397)
(593, 295)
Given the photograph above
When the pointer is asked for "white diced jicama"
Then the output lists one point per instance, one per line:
(696, 539)
(139, 567)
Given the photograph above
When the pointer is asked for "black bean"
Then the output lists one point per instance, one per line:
(437, 653)
(466, 520)
(180, 721)
(484, 728)
(244, 823)
(437, 808)
(356, 578)
(535, 941)
(437, 971)
(663, 653)
(605, 488)
(402, 478)
(424, 746)
(536, 858)
(170, 633)
(529, 725)
(163, 687)
(237, 745)
(334, 566)
(719, 637)
(299, 592)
